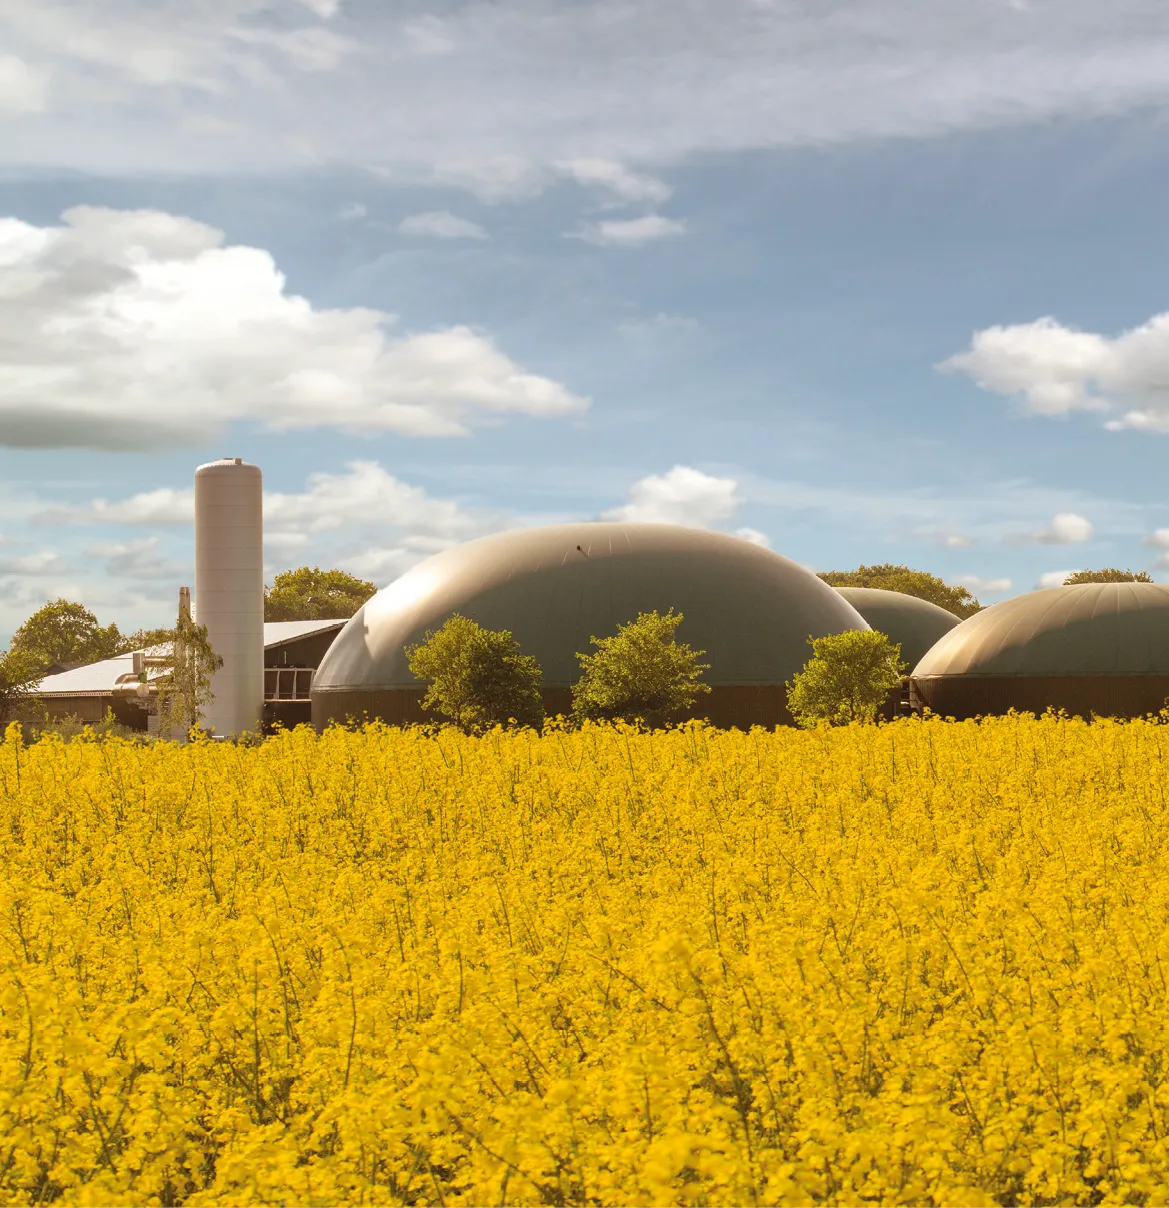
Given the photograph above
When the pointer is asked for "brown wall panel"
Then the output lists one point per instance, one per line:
(1105, 695)
(735, 705)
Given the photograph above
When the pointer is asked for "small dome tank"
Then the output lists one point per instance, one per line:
(914, 624)
(1098, 648)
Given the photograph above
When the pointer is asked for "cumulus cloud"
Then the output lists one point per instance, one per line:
(981, 586)
(754, 536)
(1054, 578)
(140, 559)
(23, 89)
(681, 496)
(441, 224)
(493, 178)
(139, 329)
(1056, 370)
(44, 562)
(1066, 528)
(630, 232)
(624, 184)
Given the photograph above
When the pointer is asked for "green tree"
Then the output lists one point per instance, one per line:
(184, 680)
(1110, 574)
(67, 633)
(146, 639)
(909, 582)
(20, 673)
(312, 594)
(478, 677)
(642, 674)
(848, 678)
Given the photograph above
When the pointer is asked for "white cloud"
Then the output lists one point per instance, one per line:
(44, 562)
(429, 35)
(955, 541)
(1159, 539)
(626, 81)
(1057, 370)
(1054, 578)
(681, 496)
(141, 559)
(105, 316)
(23, 89)
(754, 536)
(1066, 528)
(981, 586)
(630, 232)
(624, 184)
(155, 509)
(441, 224)
(352, 211)
(325, 9)
(493, 178)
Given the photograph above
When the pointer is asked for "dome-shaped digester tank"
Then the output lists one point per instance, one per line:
(749, 609)
(915, 625)
(1098, 648)
(229, 589)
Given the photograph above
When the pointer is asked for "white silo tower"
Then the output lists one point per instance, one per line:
(229, 588)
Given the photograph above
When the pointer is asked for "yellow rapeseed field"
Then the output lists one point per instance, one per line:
(922, 963)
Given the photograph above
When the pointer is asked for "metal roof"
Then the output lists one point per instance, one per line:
(99, 679)
(914, 624)
(749, 609)
(1089, 629)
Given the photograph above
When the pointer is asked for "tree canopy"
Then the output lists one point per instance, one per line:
(19, 675)
(478, 677)
(641, 674)
(66, 633)
(848, 678)
(184, 687)
(909, 582)
(1109, 574)
(311, 594)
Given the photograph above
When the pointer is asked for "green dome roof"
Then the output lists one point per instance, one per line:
(1094, 629)
(914, 624)
(749, 609)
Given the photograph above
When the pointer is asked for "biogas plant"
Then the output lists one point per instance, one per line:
(1095, 648)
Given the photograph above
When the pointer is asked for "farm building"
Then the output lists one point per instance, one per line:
(1095, 648)
(912, 623)
(292, 652)
(554, 588)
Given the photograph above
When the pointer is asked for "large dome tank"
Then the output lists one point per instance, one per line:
(749, 609)
(1098, 648)
(912, 623)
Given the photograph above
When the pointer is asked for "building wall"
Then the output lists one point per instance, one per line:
(303, 652)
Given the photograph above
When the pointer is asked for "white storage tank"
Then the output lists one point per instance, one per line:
(229, 588)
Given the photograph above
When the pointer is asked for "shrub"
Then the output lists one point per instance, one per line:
(642, 674)
(478, 677)
(847, 678)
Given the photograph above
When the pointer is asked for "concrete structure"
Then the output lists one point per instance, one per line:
(292, 652)
(1095, 648)
(751, 610)
(229, 588)
(915, 624)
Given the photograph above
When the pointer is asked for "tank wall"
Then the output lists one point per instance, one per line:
(731, 705)
(978, 695)
(229, 589)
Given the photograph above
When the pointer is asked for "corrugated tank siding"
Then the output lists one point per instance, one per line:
(1081, 695)
(738, 706)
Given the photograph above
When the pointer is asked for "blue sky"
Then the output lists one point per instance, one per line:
(867, 282)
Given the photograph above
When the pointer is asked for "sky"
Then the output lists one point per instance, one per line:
(861, 280)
